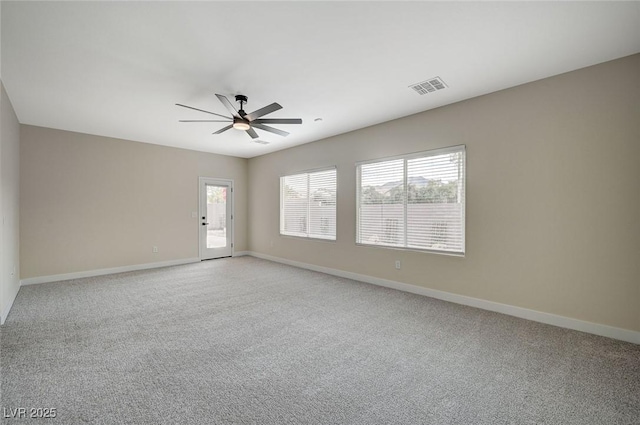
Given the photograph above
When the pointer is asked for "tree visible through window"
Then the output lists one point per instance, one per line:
(416, 201)
(308, 204)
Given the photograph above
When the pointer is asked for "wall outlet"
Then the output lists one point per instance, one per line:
(194, 214)
(397, 264)
(271, 244)
(155, 249)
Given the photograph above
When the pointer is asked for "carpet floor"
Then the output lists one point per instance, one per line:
(247, 341)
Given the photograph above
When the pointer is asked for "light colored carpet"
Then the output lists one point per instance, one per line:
(247, 341)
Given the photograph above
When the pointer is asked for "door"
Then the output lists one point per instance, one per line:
(216, 218)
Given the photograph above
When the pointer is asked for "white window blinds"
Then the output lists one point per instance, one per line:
(308, 204)
(416, 201)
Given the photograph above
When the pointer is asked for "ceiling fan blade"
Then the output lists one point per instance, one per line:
(227, 105)
(223, 129)
(270, 129)
(278, 121)
(202, 121)
(251, 132)
(202, 110)
(262, 111)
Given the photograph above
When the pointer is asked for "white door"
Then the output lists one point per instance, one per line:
(216, 218)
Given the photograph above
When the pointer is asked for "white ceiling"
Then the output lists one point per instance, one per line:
(117, 68)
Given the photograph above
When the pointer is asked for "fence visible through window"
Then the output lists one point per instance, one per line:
(416, 201)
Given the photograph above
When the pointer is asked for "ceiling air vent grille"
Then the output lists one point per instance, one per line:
(260, 142)
(429, 86)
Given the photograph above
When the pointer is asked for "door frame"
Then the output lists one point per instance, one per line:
(230, 223)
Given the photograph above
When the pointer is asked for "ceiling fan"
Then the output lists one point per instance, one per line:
(240, 120)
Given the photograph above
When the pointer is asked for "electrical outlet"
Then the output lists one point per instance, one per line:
(398, 264)
(271, 243)
(194, 214)
(155, 249)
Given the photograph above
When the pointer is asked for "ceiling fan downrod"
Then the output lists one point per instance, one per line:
(242, 99)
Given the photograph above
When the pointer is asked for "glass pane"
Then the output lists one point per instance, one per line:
(381, 203)
(295, 204)
(308, 205)
(435, 193)
(322, 204)
(216, 216)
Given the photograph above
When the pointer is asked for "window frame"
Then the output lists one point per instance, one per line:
(406, 158)
(281, 215)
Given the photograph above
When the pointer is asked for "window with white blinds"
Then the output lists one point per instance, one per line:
(416, 201)
(308, 204)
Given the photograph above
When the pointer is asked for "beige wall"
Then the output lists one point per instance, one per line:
(91, 202)
(9, 203)
(553, 205)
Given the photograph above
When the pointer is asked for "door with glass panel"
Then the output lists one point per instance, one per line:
(216, 218)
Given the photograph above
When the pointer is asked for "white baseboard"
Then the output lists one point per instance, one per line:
(101, 272)
(7, 309)
(524, 313)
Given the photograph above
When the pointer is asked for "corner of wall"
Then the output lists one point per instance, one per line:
(9, 204)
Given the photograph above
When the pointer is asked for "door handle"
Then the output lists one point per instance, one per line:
(204, 224)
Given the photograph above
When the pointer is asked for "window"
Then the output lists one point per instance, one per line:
(415, 201)
(308, 204)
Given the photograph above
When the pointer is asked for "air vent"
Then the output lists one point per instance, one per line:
(260, 142)
(429, 86)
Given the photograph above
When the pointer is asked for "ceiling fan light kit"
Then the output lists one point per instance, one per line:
(240, 120)
(240, 124)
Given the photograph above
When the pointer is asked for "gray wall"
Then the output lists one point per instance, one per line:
(552, 196)
(9, 204)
